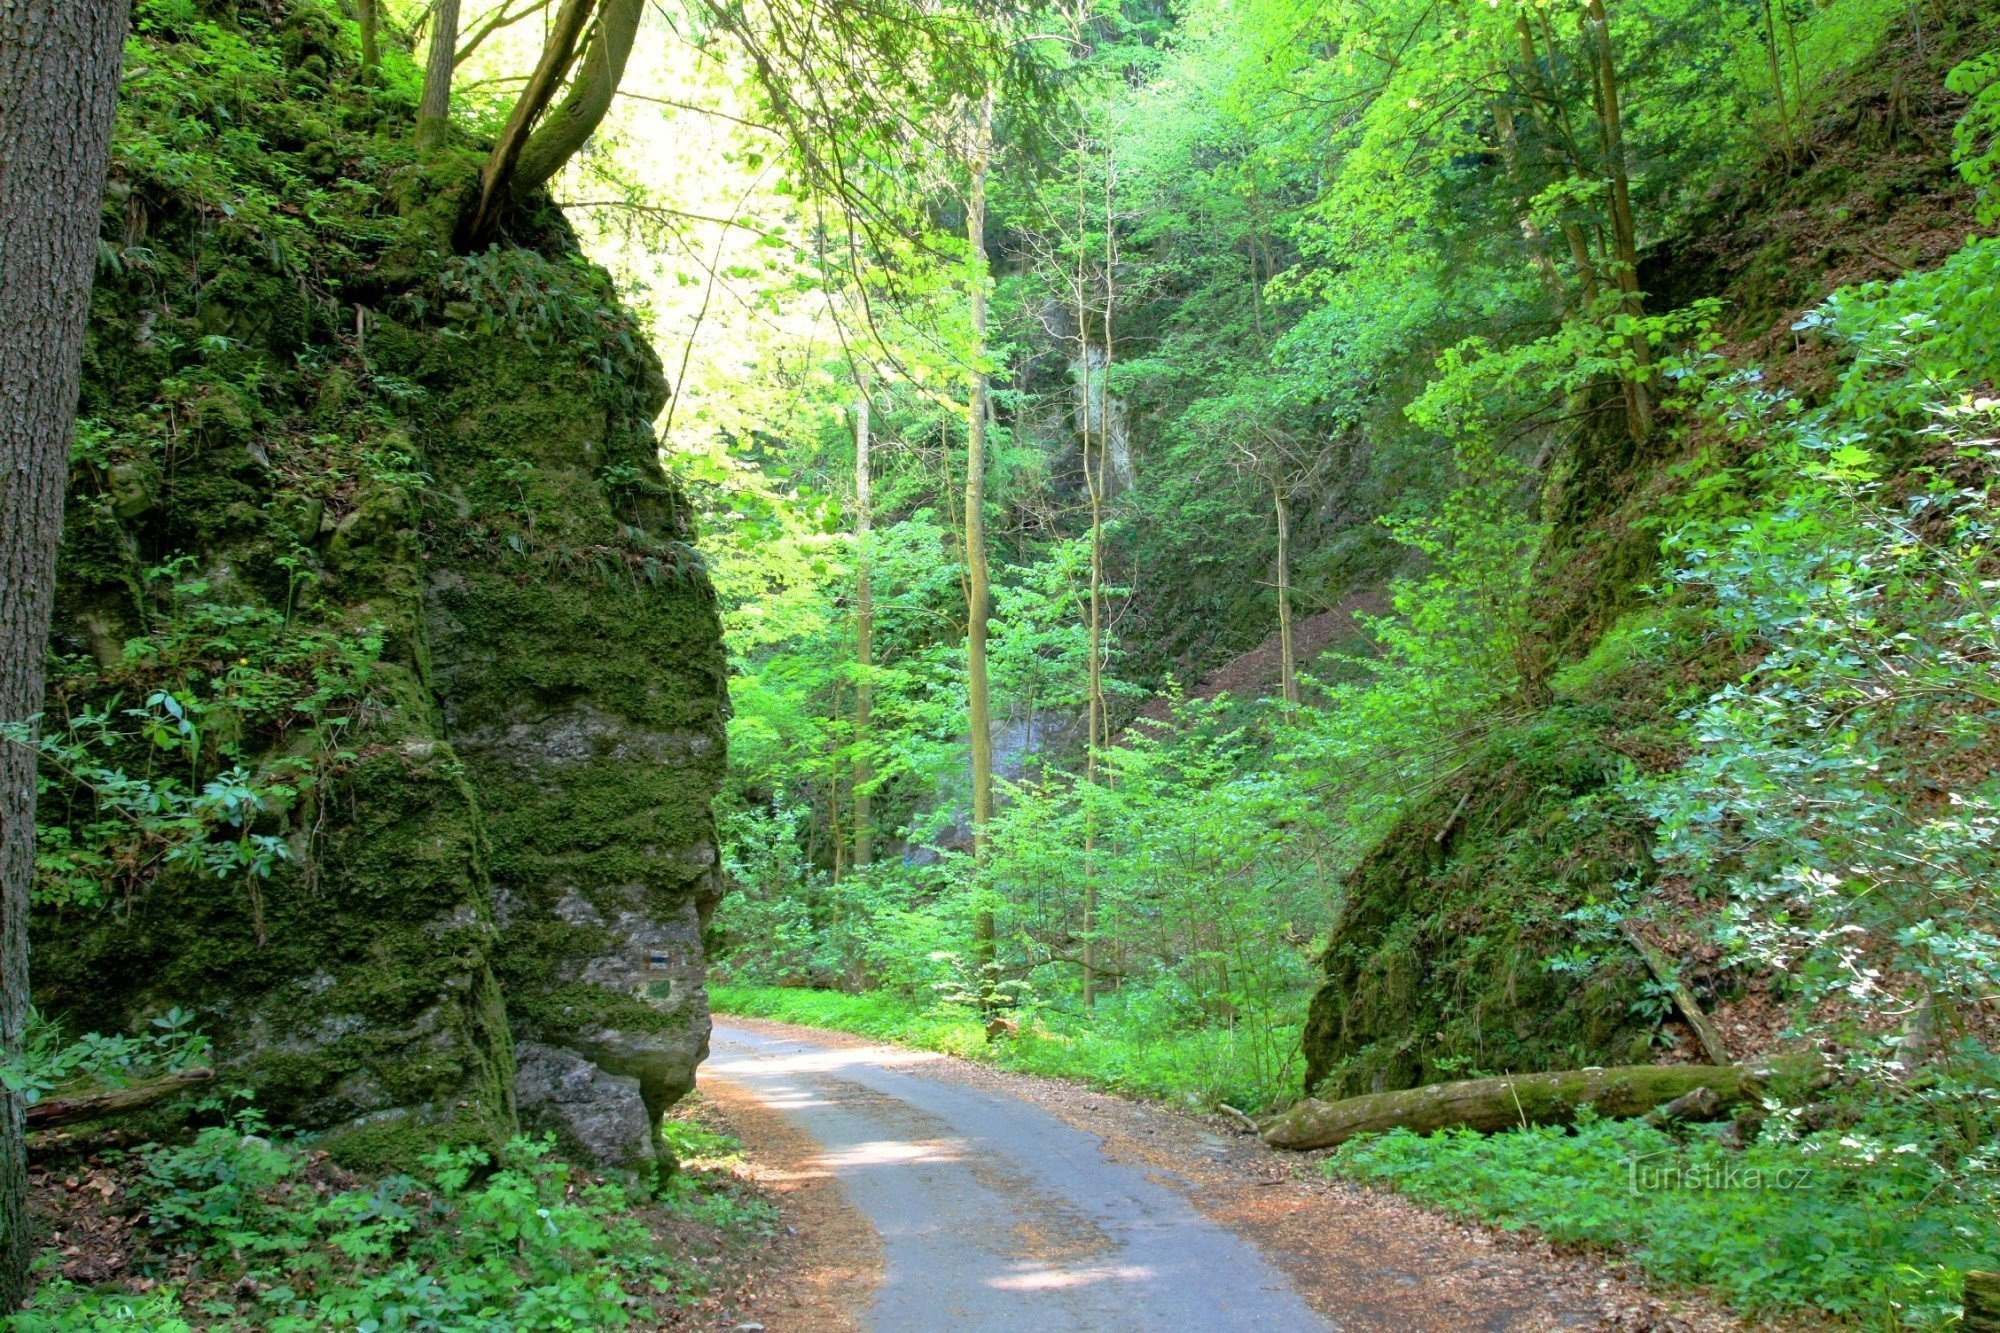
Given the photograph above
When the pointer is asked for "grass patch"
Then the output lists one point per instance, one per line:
(1863, 1224)
(1203, 1067)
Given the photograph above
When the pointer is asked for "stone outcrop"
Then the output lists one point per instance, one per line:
(593, 1115)
(341, 459)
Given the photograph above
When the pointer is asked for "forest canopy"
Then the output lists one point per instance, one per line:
(1239, 551)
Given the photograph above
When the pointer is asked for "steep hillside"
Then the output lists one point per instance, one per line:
(1458, 939)
(388, 697)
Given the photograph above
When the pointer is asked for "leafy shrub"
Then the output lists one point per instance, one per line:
(267, 1233)
(1861, 1222)
(47, 1062)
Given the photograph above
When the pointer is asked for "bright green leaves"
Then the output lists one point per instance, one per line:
(1976, 138)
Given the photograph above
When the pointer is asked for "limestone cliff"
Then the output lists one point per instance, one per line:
(378, 533)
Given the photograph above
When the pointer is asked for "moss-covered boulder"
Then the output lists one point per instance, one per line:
(387, 695)
(1454, 950)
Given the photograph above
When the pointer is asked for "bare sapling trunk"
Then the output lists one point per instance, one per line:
(864, 632)
(58, 84)
(1093, 480)
(1624, 233)
(1777, 80)
(978, 699)
(434, 109)
(1288, 681)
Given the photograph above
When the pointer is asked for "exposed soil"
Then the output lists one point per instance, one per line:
(1363, 1258)
(1256, 673)
(820, 1269)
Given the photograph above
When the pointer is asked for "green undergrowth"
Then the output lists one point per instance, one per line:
(236, 1230)
(1206, 1067)
(1858, 1223)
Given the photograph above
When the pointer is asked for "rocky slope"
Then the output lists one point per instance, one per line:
(1439, 959)
(378, 534)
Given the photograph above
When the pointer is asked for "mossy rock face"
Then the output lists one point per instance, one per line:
(392, 524)
(577, 655)
(1439, 964)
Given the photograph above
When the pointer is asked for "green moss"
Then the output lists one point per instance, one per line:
(247, 455)
(1438, 964)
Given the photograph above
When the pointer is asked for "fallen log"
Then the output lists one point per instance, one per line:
(1690, 1009)
(1518, 1100)
(107, 1102)
(1982, 1303)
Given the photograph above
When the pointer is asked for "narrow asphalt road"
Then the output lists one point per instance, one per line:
(995, 1214)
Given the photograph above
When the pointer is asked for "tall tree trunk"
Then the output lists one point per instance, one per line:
(434, 110)
(1288, 681)
(369, 21)
(864, 631)
(1100, 720)
(58, 84)
(1093, 481)
(978, 700)
(1624, 233)
(833, 776)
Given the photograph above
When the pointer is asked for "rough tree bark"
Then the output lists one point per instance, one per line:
(1982, 1303)
(978, 699)
(58, 84)
(434, 110)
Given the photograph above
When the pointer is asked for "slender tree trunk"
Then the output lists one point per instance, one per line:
(1093, 481)
(370, 24)
(1557, 129)
(833, 777)
(1287, 667)
(978, 700)
(1100, 720)
(434, 110)
(58, 83)
(1777, 78)
(1624, 233)
(864, 631)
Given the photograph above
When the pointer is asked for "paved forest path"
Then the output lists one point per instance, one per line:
(973, 1200)
(994, 1214)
